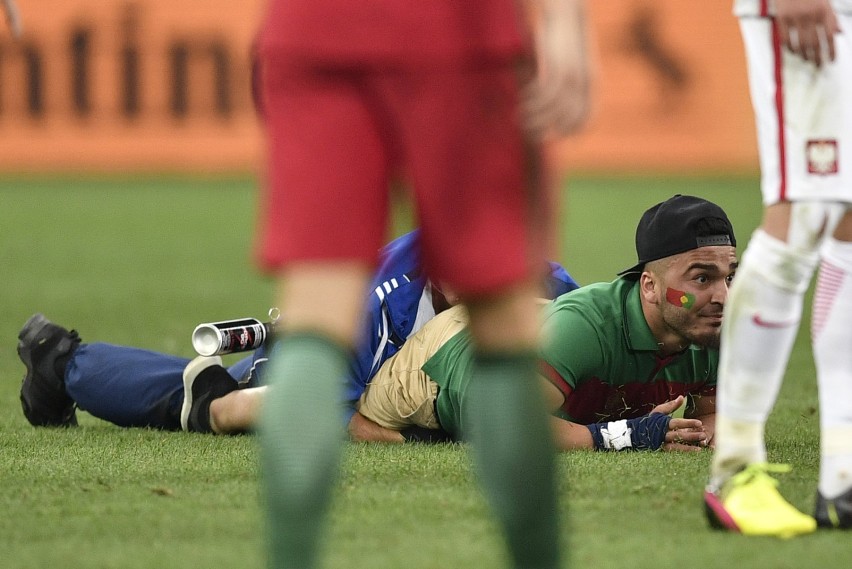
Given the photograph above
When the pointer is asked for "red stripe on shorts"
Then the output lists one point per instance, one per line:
(779, 110)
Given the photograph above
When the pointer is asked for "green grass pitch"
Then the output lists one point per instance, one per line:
(142, 261)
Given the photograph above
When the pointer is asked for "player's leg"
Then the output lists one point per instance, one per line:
(799, 112)
(831, 332)
(832, 337)
(476, 207)
(762, 318)
(508, 422)
(301, 427)
(324, 223)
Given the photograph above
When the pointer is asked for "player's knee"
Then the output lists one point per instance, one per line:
(790, 263)
(783, 264)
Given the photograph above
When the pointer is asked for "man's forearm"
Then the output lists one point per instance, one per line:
(571, 436)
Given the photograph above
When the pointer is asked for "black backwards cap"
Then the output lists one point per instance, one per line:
(679, 224)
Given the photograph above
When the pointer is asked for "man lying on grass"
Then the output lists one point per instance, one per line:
(618, 357)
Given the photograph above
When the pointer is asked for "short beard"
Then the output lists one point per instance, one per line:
(676, 320)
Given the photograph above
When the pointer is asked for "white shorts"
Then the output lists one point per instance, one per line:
(810, 158)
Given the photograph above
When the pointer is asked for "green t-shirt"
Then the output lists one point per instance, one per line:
(598, 350)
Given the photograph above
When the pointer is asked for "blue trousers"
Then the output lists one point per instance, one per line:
(131, 387)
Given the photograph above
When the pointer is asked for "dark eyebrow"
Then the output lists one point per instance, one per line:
(709, 267)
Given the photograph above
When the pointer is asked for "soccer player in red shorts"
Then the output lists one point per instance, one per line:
(357, 95)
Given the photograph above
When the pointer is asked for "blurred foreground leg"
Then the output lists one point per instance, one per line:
(301, 434)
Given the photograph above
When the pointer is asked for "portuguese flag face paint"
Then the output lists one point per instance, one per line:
(680, 298)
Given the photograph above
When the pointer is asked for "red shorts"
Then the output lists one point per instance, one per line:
(338, 138)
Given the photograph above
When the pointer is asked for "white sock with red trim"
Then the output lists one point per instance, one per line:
(831, 330)
(762, 317)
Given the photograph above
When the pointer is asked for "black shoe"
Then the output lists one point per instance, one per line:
(45, 349)
(834, 513)
(204, 379)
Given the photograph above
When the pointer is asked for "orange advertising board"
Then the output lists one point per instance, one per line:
(154, 85)
(671, 92)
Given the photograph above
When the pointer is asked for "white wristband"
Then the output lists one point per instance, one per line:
(616, 435)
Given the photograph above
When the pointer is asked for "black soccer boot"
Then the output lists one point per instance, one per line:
(834, 513)
(45, 349)
(204, 379)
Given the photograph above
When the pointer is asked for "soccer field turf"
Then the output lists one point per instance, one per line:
(142, 261)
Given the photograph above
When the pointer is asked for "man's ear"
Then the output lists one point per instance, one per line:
(649, 287)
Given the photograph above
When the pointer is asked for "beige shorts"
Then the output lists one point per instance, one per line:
(401, 395)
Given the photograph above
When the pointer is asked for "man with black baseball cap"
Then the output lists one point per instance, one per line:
(624, 355)
(619, 357)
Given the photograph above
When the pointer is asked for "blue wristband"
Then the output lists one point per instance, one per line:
(643, 433)
(649, 432)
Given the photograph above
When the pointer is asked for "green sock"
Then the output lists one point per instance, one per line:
(301, 434)
(514, 454)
